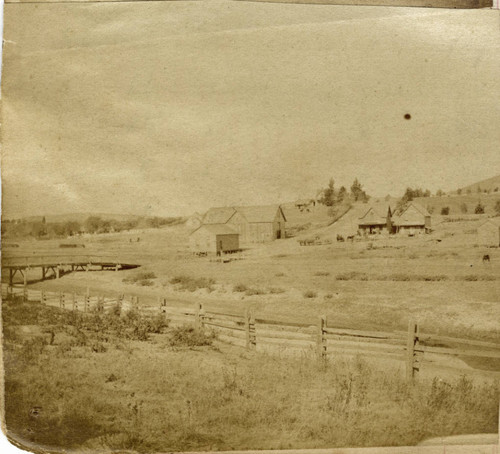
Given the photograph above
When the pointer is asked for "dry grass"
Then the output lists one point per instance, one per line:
(85, 399)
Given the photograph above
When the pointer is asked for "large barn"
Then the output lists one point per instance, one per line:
(255, 224)
(489, 232)
(413, 220)
(214, 238)
(376, 219)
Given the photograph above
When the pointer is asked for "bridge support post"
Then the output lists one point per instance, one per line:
(57, 272)
(11, 277)
(25, 285)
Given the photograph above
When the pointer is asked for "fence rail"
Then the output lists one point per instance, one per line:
(250, 332)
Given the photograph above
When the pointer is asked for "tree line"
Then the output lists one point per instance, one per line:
(41, 229)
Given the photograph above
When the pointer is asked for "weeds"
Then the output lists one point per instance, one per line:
(310, 294)
(322, 273)
(187, 336)
(192, 284)
(143, 278)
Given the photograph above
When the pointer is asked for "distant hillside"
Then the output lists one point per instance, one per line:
(489, 185)
(460, 204)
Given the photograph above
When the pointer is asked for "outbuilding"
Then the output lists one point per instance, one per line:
(489, 232)
(214, 239)
(255, 224)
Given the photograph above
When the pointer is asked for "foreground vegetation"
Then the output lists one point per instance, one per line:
(126, 382)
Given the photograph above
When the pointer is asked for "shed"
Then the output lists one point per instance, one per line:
(489, 232)
(412, 220)
(214, 238)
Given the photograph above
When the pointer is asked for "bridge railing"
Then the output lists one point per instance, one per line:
(59, 259)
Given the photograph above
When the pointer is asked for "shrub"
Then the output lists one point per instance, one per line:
(140, 276)
(192, 283)
(310, 294)
(276, 290)
(188, 336)
(479, 208)
(279, 274)
(240, 288)
(445, 211)
(352, 275)
(255, 291)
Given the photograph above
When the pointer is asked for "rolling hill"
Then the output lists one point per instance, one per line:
(490, 185)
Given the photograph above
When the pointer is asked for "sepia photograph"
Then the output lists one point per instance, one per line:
(250, 226)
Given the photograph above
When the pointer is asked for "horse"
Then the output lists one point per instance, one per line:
(486, 258)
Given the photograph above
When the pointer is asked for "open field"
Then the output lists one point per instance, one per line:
(374, 283)
(69, 384)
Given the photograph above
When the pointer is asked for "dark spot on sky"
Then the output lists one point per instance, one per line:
(407, 117)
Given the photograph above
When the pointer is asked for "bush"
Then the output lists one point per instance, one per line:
(255, 291)
(188, 336)
(276, 290)
(479, 209)
(310, 294)
(353, 275)
(240, 288)
(142, 278)
(192, 284)
(445, 211)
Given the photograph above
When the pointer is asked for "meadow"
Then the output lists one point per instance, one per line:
(118, 382)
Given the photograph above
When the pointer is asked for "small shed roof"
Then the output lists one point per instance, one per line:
(260, 213)
(494, 221)
(218, 215)
(217, 229)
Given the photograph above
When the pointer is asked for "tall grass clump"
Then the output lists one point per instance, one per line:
(192, 284)
(143, 278)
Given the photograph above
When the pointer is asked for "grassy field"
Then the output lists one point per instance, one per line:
(374, 283)
(116, 383)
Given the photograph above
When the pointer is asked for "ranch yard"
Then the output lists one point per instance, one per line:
(379, 283)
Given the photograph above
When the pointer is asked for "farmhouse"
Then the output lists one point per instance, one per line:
(214, 238)
(255, 224)
(376, 219)
(489, 232)
(414, 219)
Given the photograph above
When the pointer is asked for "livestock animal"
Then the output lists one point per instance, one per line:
(350, 237)
(340, 238)
(486, 258)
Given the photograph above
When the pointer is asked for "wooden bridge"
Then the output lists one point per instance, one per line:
(56, 265)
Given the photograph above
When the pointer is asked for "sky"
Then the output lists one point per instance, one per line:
(167, 108)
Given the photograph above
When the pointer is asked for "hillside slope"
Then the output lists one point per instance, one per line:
(490, 184)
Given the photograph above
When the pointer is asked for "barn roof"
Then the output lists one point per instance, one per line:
(260, 213)
(217, 229)
(375, 214)
(412, 217)
(218, 215)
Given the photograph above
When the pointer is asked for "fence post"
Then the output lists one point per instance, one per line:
(87, 300)
(198, 316)
(73, 302)
(61, 300)
(321, 339)
(411, 343)
(251, 339)
(42, 297)
(25, 285)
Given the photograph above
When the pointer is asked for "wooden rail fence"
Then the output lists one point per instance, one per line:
(314, 336)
